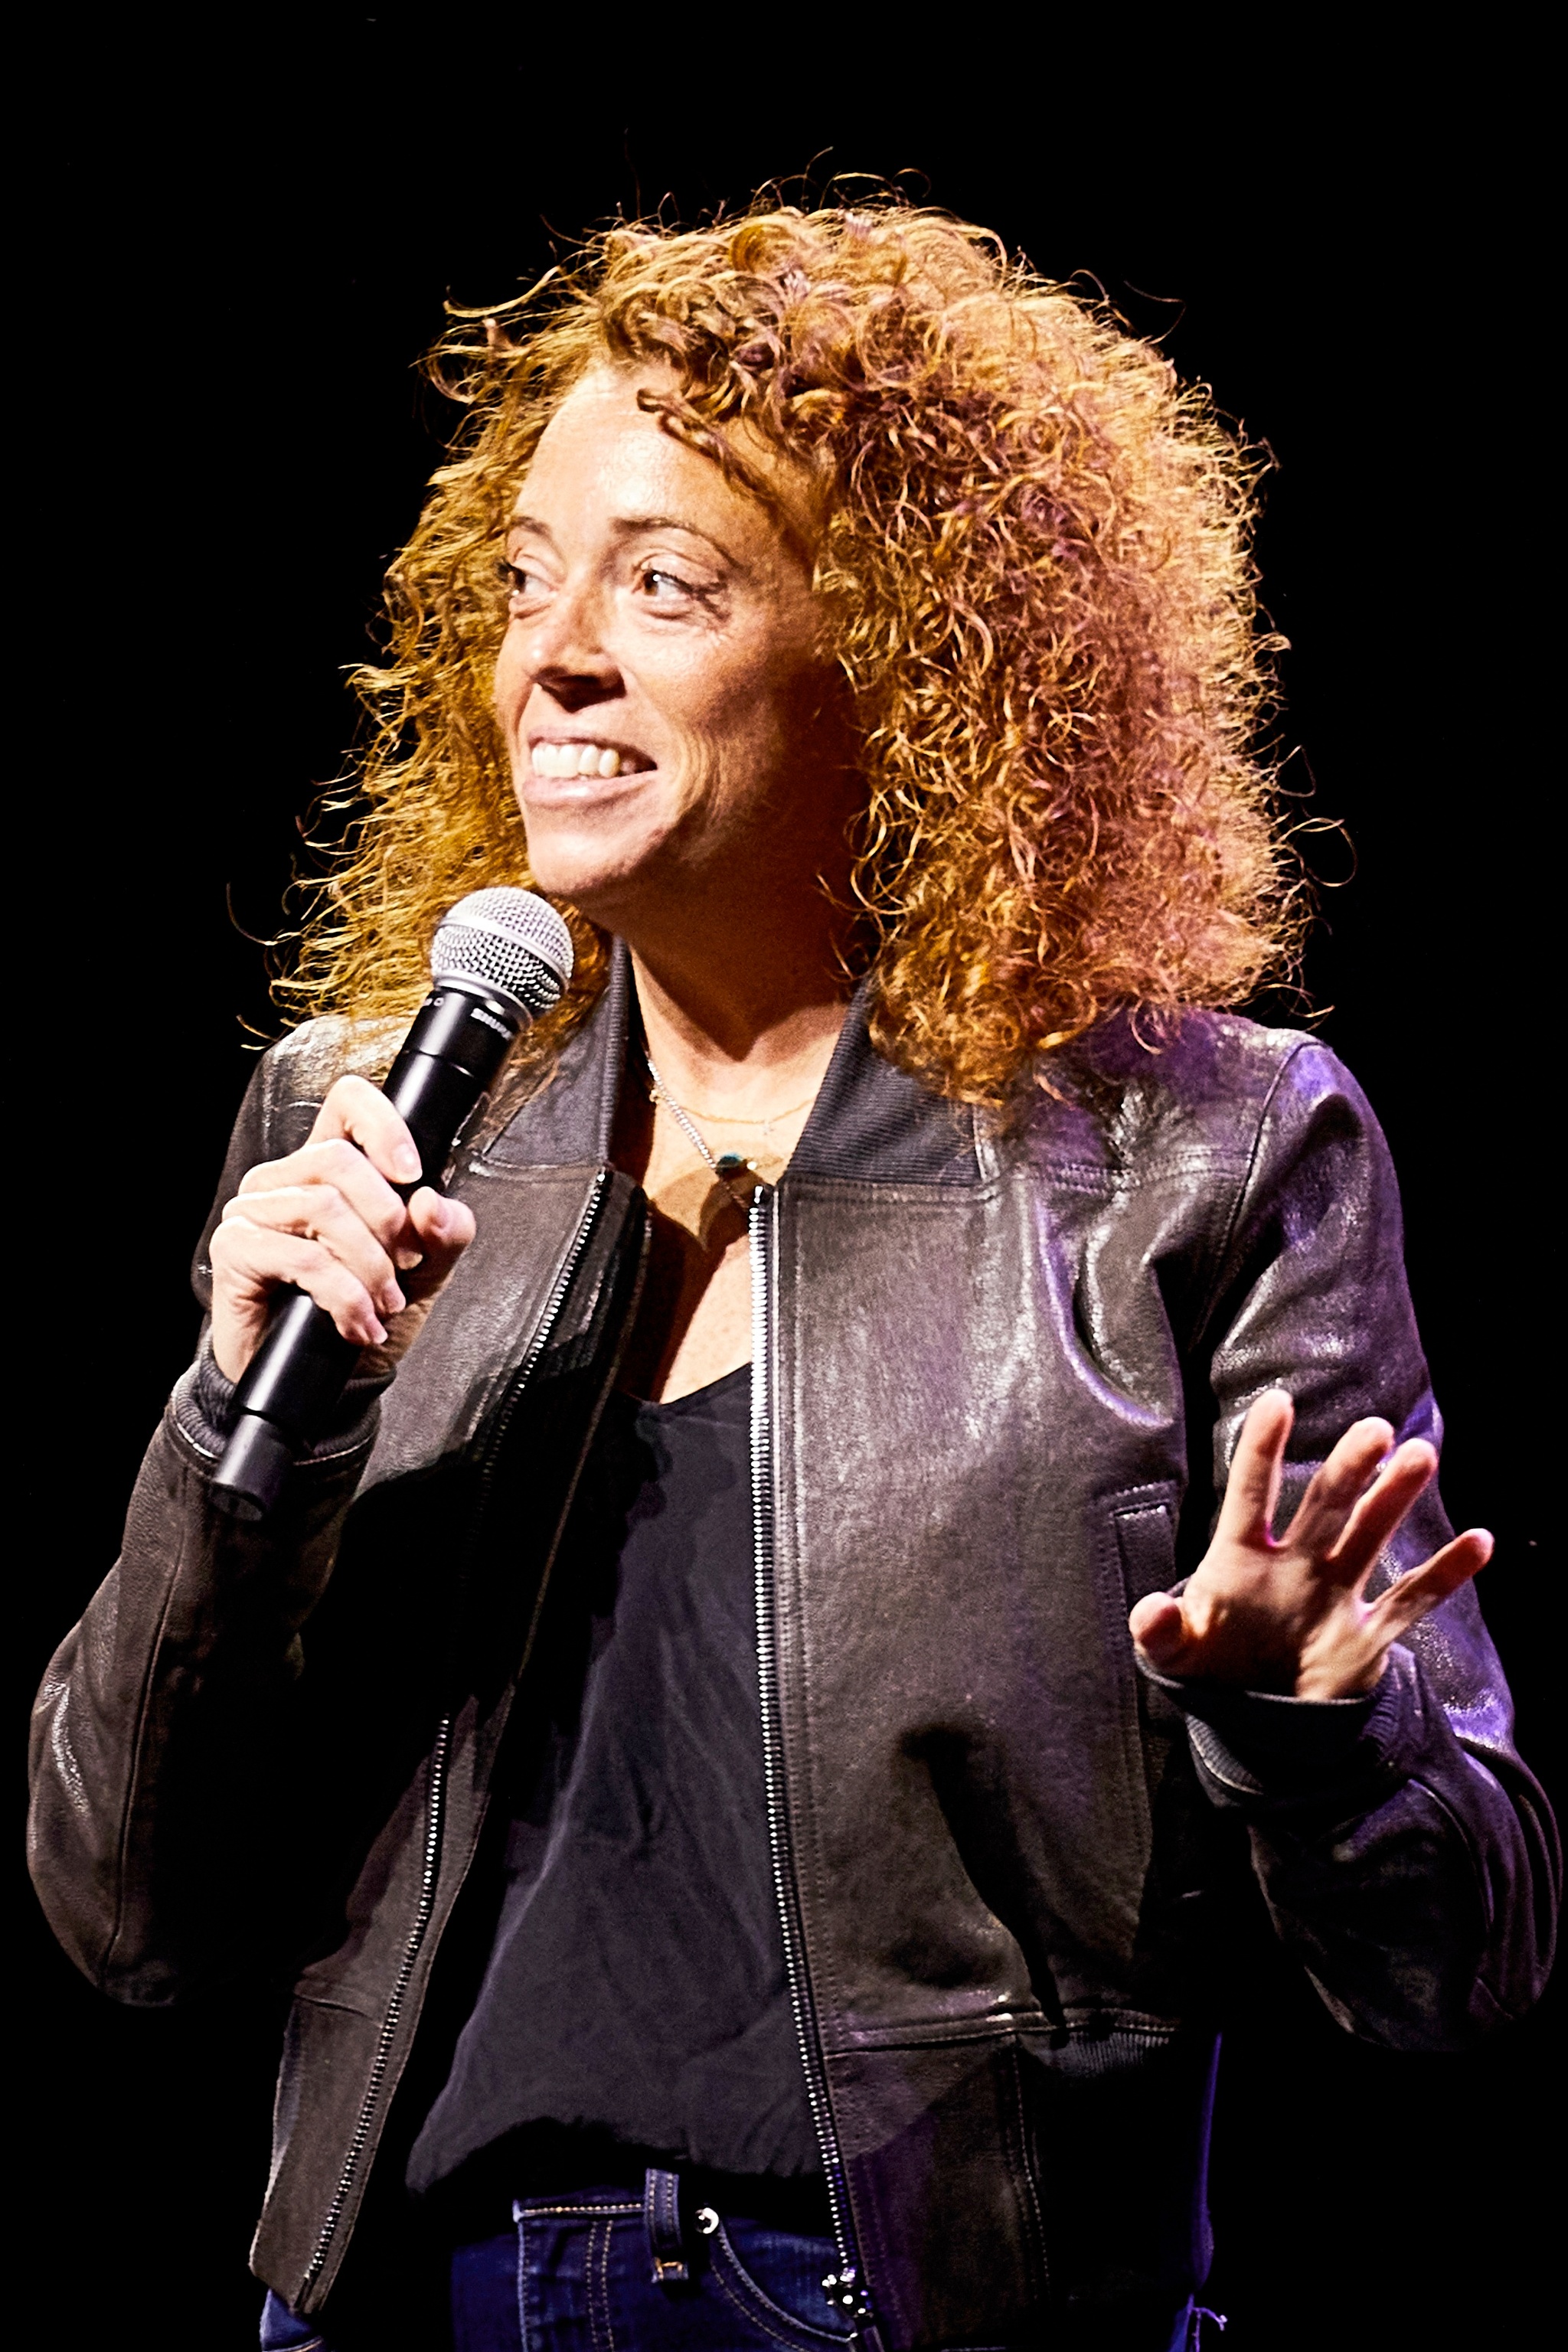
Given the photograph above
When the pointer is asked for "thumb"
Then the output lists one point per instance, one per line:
(445, 1229)
(1159, 1629)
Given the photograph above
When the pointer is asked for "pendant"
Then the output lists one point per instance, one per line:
(739, 1178)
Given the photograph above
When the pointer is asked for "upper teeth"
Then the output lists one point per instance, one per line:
(575, 760)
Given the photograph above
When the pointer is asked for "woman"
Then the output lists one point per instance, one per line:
(751, 1733)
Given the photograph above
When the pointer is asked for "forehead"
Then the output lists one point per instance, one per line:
(603, 460)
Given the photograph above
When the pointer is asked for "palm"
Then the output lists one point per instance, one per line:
(1292, 1613)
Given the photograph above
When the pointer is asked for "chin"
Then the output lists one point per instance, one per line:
(591, 883)
(593, 873)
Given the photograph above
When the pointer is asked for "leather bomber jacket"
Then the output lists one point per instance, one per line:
(996, 1383)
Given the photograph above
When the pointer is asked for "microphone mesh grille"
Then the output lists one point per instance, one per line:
(510, 939)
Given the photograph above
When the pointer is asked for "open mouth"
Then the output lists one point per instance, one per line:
(584, 757)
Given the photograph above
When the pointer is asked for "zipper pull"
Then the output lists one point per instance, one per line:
(845, 2292)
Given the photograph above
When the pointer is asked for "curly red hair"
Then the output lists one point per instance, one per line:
(1034, 557)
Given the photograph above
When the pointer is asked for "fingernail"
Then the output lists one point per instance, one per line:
(377, 1333)
(393, 1302)
(406, 1160)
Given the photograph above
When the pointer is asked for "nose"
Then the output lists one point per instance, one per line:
(565, 652)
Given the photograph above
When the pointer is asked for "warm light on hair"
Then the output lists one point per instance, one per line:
(1036, 565)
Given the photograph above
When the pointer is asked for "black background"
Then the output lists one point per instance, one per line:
(232, 246)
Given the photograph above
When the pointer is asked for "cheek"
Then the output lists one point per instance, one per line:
(735, 698)
(511, 677)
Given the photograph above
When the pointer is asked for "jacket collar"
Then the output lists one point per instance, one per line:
(870, 1123)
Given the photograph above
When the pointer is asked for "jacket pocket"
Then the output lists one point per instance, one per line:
(1135, 1554)
(1144, 1521)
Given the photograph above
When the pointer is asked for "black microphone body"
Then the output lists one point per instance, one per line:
(447, 1066)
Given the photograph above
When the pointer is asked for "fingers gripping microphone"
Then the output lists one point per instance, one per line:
(501, 959)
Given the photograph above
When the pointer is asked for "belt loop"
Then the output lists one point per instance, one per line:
(661, 2219)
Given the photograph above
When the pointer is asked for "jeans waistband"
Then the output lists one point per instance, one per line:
(799, 2207)
(553, 2168)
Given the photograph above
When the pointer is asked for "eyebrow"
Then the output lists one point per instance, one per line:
(630, 527)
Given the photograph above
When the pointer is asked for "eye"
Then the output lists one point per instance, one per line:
(524, 583)
(665, 589)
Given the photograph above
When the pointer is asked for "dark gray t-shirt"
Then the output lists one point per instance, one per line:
(636, 1985)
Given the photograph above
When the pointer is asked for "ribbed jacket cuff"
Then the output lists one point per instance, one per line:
(203, 1405)
(1262, 1754)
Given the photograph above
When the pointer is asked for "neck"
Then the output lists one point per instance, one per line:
(746, 1024)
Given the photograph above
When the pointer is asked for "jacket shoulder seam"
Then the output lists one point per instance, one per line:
(1222, 1255)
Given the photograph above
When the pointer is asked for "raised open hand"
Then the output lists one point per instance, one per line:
(1290, 1614)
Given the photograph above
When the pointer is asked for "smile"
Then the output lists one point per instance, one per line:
(584, 758)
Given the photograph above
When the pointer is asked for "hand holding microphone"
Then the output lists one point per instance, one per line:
(330, 1220)
(340, 1246)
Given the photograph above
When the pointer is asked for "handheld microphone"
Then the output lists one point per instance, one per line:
(499, 959)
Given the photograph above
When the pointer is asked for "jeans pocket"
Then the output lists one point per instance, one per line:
(773, 2279)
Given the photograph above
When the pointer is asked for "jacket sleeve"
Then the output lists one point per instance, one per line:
(159, 1747)
(1407, 1855)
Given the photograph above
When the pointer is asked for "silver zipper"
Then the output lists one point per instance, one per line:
(439, 1755)
(846, 2287)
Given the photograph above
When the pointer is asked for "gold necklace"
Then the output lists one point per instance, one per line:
(728, 1119)
(739, 1176)
(720, 1118)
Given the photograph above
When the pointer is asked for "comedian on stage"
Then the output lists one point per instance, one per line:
(891, 1497)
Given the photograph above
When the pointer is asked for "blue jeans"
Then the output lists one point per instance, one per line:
(594, 2270)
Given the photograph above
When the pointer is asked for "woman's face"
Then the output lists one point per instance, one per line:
(669, 714)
